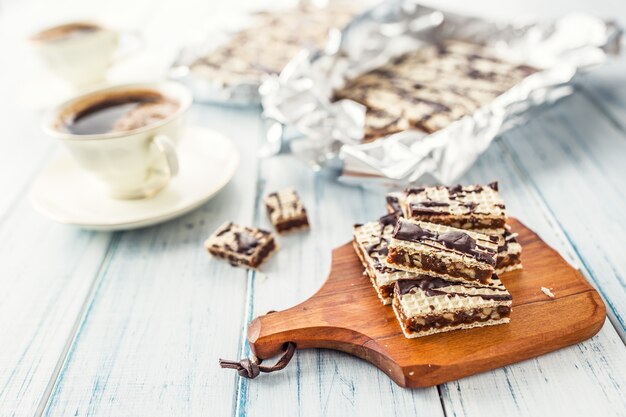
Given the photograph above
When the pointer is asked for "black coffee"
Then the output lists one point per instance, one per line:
(120, 113)
(68, 31)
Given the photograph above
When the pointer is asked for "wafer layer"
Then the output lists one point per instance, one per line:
(450, 253)
(471, 207)
(509, 253)
(370, 243)
(429, 305)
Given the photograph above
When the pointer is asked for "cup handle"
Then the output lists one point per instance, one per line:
(135, 41)
(168, 149)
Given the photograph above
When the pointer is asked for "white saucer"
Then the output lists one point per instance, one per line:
(66, 194)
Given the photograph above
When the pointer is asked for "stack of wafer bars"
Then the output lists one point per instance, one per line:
(436, 257)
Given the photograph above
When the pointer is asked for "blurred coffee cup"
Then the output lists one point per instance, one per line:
(125, 136)
(81, 53)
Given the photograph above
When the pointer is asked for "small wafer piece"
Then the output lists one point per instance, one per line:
(509, 253)
(469, 207)
(241, 245)
(443, 251)
(426, 305)
(370, 243)
(286, 211)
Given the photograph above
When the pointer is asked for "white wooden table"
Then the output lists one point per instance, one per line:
(132, 323)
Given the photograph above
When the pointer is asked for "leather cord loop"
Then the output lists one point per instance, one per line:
(251, 367)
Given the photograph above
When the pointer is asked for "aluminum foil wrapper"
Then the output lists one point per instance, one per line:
(300, 98)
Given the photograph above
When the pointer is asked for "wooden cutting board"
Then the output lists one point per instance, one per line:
(346, 314)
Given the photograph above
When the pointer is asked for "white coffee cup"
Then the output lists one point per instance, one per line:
(131, 164)
(81, 53)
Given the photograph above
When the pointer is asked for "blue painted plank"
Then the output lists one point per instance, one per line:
(605, 87)
(165, 311)
(574, 158)
(46, 276)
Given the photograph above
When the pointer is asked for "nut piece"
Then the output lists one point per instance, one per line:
(547, 292)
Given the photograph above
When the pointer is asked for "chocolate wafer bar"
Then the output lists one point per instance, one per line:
(426, 305)
(430, 88)
(509, 253)
(473, 207)
(286, 211)
(270, 43)
(370, 243)
(241, 245)
(443, 251)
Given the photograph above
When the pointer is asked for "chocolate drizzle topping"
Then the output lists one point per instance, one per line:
(416, 190)
(246, 244)
(458, 189)
(411, 232)
(380, 247)
(389, 220)
(411, 98)
(508, 238)
(471, 206)
(429, 207)
(424, 207)
(224, 230)
(433, 204)
(432, 287)
(455, 189)
(455, 240)
(271, 209)
(394, 203)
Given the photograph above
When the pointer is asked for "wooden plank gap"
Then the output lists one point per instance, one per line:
(440, 389)
(241, 394)
(241, 389)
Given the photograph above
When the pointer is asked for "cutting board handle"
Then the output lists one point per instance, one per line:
(311, 324)
(270, 334)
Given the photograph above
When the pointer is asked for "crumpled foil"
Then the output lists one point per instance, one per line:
(330, 133)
